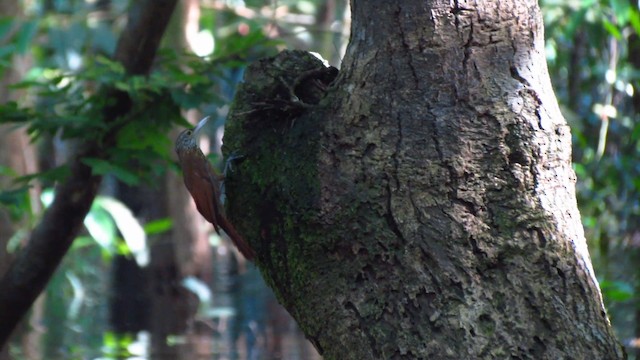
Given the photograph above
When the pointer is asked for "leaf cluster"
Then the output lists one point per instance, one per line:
(71, 106)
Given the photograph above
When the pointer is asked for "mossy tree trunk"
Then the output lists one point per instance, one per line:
(422, 204)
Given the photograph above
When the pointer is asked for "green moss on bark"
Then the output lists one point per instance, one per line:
(274, 190)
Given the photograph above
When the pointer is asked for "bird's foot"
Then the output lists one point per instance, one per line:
(228, 167)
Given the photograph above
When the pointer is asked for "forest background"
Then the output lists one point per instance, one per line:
(54, 58)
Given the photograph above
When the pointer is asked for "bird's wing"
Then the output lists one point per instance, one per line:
(202, 186)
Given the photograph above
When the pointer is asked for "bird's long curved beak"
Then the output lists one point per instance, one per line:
(200, 126)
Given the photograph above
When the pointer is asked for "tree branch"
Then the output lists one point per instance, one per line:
(52, 238)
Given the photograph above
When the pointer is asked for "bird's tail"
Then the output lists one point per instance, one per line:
(237, 239)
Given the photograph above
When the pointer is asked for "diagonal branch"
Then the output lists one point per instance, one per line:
(51, 239)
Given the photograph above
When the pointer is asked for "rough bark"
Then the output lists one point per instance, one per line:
(52, 237)
(425, 207)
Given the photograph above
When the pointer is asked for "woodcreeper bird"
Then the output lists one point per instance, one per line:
(204, 184)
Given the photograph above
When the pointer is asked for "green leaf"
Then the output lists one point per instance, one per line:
(103, 167)
(6, 51)
(16, 202)
(158, 226)
(16, 239)
(114, 66)
(138, 136)
(6, 24)
(579, 169)
(81, 242)
(611, 29)
(130, 228)
(25, 36)
(589, 221)
(617, 290)
(13, 197)
(634, 20)
(102, 228)
(11, 112)
(7, 171)
(53, 175)
(621, 10)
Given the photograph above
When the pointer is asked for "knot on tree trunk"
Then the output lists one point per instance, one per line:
(282, 87)
(275, 124)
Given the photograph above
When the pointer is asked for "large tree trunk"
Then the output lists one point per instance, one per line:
(425, 207)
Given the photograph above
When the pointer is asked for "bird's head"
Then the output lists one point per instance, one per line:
(188, 139)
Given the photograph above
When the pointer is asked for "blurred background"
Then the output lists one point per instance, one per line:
(147, 277)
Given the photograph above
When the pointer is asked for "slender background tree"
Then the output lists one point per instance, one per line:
(51, 239)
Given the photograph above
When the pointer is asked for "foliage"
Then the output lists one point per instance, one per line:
(78, 114)
(71, 100)
(109, 218)
(65, 101)
(589, 44)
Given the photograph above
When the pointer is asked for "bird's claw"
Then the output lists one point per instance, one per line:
(228, 165)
